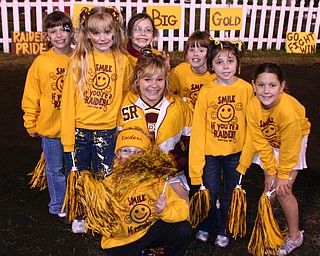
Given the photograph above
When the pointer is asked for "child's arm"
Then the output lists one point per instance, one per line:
(160, 203)
(68, 112)
(31, 101)
(262, 146)
(174, 81)
(167, 58)
(198, 140)
(291, 137)
(174, 209)
(247, 155)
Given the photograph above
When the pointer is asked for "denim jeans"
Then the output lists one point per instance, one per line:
(219, 170)
(56, 159)
(94, 149)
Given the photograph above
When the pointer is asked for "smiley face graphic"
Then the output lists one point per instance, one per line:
(214, 115)
(127, 219)
(194, 96)
(238, 106)
(101, 81)
(269, 131)
(214, 105)
(225, 113)
(140, 213)
(59, 83)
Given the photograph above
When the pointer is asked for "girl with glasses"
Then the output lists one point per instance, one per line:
(141, 31)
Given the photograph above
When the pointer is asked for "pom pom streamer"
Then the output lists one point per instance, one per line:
(71, 201)
(101, 210)
(237, 214)
(39, 178)
(101, 199)
(144, 166)
(266, 237)
(199, 206)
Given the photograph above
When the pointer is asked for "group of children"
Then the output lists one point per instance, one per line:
(212, 122)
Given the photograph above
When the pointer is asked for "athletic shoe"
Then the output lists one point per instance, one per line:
(78, 226)
(202, 236)
(62, 215)
(222, 241)
(290, 245)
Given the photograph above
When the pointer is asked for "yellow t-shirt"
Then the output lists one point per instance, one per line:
(219, 125)
(187, 84)
(98, 108)
(41, 101)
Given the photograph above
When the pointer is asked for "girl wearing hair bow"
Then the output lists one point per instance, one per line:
(93, 88)
(218, 135)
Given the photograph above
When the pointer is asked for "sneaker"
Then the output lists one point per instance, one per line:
(222, 241)
(202, 236)
(62, 215)
(78, 226)
(290, 245)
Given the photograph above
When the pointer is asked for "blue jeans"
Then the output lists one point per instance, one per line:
(56, 159)
(94, 148)
(217, 169)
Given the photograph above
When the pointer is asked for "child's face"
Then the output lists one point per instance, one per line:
(268, 89)
(60, 37)
(126, 152)
(152, 88)
(197, 57)
(102, 41)
(142, 34)
(225, 66)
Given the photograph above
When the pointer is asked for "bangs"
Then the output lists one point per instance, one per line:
(57, 21)
(153, 69)
(54, 24)
(200, 43)
(100, 23)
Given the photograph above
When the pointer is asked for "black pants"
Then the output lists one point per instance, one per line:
(174, 237)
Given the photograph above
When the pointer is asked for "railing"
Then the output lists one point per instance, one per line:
(265, 22)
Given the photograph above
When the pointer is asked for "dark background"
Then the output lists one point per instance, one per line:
(27, 228)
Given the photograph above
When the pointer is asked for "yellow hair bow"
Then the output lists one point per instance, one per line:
(216, 42)
(114, 13)
(84, 14)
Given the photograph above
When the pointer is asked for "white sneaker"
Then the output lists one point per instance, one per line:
(222, 241)
(62, 215)
(290, 245)
(78, 226)
(202, 236)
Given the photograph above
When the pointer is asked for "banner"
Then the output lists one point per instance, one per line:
(165, 17)
(301, 42)
(225, 19)
(30, 43)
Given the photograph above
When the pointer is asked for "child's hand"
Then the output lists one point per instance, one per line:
(167, 57)
(33, 135)
(160, 203)
(283, 187)
(269, 182)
